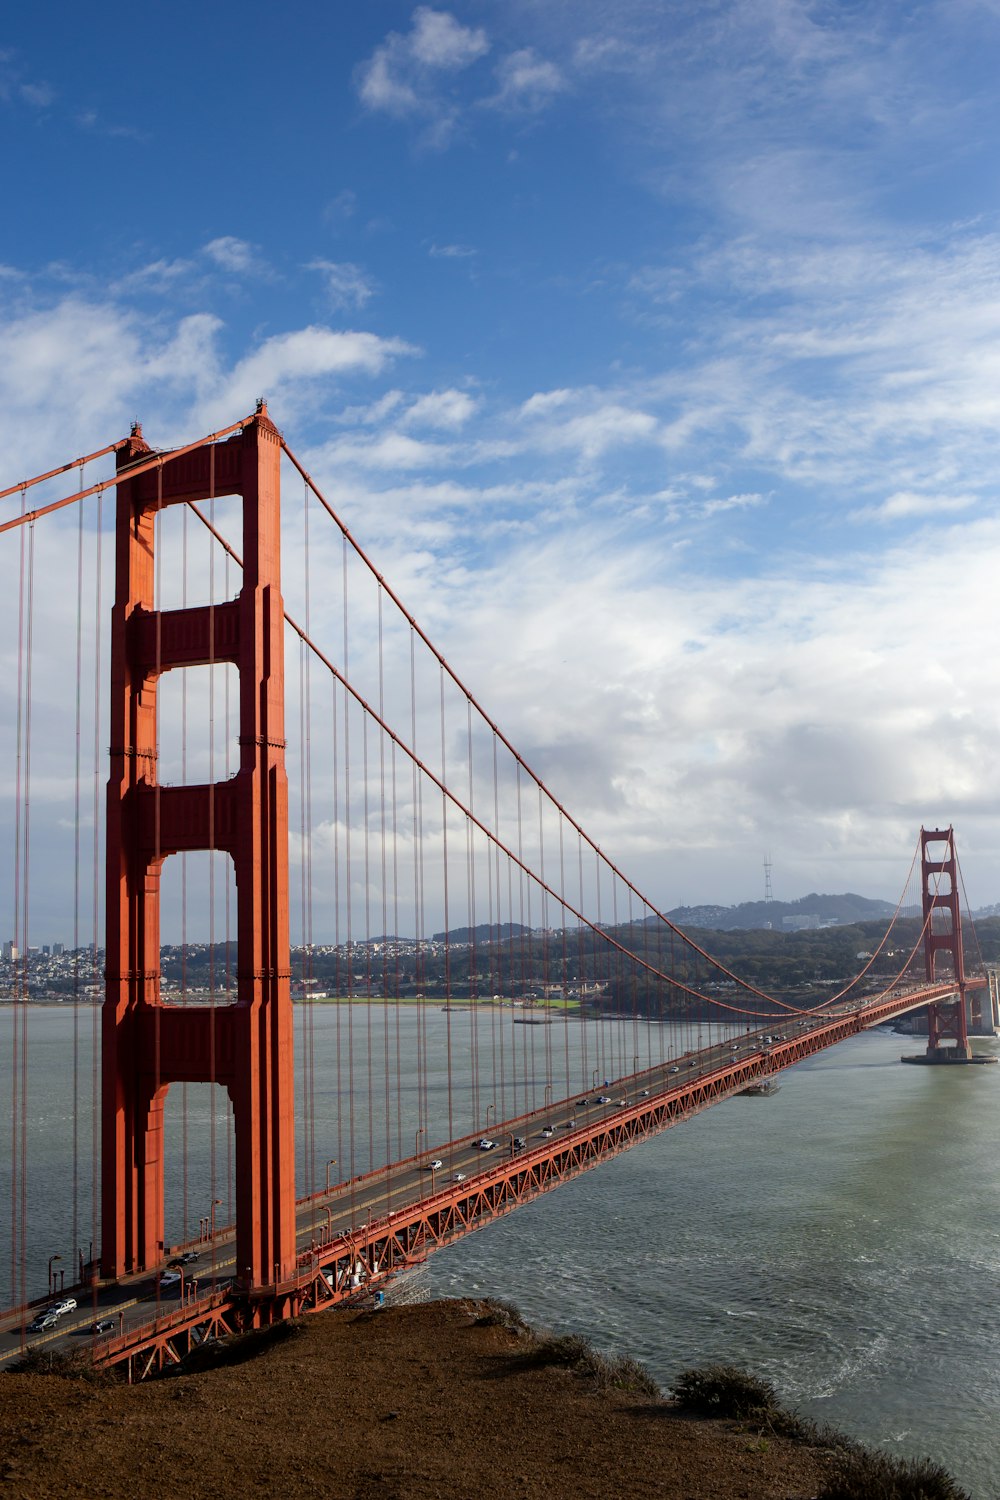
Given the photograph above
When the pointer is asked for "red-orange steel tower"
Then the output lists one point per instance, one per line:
(947, 1020)
(148, 1045)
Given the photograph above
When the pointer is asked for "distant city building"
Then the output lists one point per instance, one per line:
(10, 952)
(58, 950)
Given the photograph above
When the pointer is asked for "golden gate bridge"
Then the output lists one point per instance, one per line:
(293, 823)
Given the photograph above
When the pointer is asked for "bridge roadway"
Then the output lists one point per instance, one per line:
(362, 1231)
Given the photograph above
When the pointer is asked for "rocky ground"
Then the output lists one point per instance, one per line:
(411, 1403)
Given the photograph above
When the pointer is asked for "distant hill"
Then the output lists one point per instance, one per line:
(839, 910)
(484, 933)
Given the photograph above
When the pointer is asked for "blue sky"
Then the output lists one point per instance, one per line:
(650, 349)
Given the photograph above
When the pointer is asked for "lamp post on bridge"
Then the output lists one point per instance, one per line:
(547, 1096)
(593, 1078)
(331, 1163)
(491, 1105)
(216, 1203)
(51, 1278)
(416, 1140)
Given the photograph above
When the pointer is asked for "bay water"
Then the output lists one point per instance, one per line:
(840, 1238)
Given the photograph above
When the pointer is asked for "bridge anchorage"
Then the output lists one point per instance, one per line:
(670, 1030)
(949, 1020)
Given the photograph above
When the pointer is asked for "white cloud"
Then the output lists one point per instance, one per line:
(732, 502)
(341, 208)
(451, 252)
(236, 255)
(441, 409)
(160, 276)
(439, 41)
(372, 412)
(405, 74)
(545, 401)
(526, 82)
(905, 505)
(595, 426)
(15, 88)
(387, 451)
(346, 284)
(304, 355)
(40, 95)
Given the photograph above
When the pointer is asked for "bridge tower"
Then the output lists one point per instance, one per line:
(947, 1020)
(148, 1045)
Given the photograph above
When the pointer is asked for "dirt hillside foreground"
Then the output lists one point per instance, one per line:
(406, 1404)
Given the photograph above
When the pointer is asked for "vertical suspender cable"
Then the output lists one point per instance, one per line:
(76, 883)
(348, 892)
(305, 783)
(29, 664)
(18, 1114)
(184, 866)
(157, 851)
(447, 920)
(96, 869)
(418, 899)
(337, 962)
(383, 865)
(212, 862)
(470, 882)
(368, 943)
(228, 888)
(306, 1143)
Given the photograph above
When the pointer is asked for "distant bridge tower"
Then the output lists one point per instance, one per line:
(147, 1045)
(947, 1020)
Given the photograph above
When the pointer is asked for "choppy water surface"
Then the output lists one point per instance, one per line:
(839, 1238)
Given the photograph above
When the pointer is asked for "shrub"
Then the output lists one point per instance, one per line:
(495, 1313)
(567, 1350)
(862, 1474)
(570, 1352)
(623, 1373)
(76, 1365)
(724, 1391)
